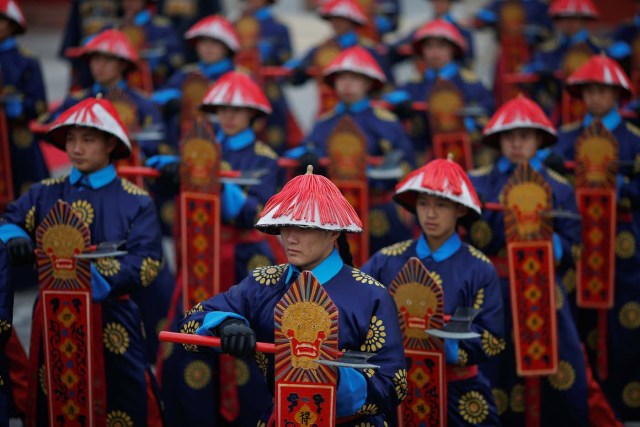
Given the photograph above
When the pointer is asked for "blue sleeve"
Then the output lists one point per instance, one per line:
(213, 319)
(6, 298)
(11, 231)
(161, 160)
(100, 288)
(567, 230)
(557, 247)
(257, 195)
(32, 87)
(451, 347)
(232, 201)
(352, 391)
(487, 16)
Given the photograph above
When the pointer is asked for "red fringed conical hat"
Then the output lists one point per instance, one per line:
(11, 10)
(519, 113)
(96, 113)
(347, 9)
(599, 69)
(573, 8)
(111, 43)
(309, 201)
(440, 29)
(215, 27)
(442, 178)
(357, 60)
(236, 89)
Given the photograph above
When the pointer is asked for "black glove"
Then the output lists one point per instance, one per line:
(21, 251)
(169, 180)
(555, 162)
(404, 109)
(237, 338)
(171, 108)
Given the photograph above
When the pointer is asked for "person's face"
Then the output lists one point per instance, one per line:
(307, 247)
(519, 145)
(7, 28)
(211, 51)
(569, 25)
(441, 7)
(351, 87)
(106, 70)
(599, 99)
(89, 149)
(132, 7)
(437, 53)
(341, 25)
(234, 119)
(438, 216)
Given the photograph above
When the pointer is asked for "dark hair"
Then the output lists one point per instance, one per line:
(344, 250)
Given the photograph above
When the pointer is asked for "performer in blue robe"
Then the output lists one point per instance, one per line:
(115, 210)
(537, 22)
(519, 128)
(467, 277)
(367, 315)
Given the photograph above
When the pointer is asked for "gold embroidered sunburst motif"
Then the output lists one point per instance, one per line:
(190, 328)
(42, 379)
(131, 188)
(149, 271)
(631, 394)
(396, 249)
(559, 298)
(116, 338)
(375, 336)
(262, 362)
(119, 419)
(463, 357)
(84, 210)
(473, 407)
(502, 400)
(242, 372)
(196, 308)
(268, 275)
(516, 399)
(491, 344)
(378, 223)
(625, 245)
(257, 261)
(108, 267)
(565, 377)
(30, 220)
(365, 278)
(368, 409)
(481, 233)
(629, 315)
(400, 383)
(197, 374)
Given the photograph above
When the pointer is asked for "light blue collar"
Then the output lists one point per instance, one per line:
(447, 249)
(348, 39)
(238, 141)
(263, 13)
(505, 166)
(611, 120)
(357, 107)
(143, 17)
(8, 44)
(447, 72)
(324, 271)
(217, 68)
(94, 180)
(98, 88)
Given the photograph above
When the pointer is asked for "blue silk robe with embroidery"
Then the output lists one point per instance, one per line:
(21, 76)
(535, 13)
(6, 329)
(563, 395)
(114, 210)
(187, 401)
(468, 280)
(623, 331)
(384, 133)
(365, 313)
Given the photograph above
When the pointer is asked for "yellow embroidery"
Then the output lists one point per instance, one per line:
(556, 176)
(257, 261)
(491, 344)
(569, 280)
(149, 271)
(131, 188)
(242, 372)
(166, 349)
(485, 170)
(378, 223)
(592, 339)
(502, 400)
(384, 114)
(463, 357)
(481, 233)
(30, 220)
(268, 275)
(116, 338)
(564, 378)
(196, 308)
(478, 254)
(473, 407)
(369, 372)
(52, 181)
(262, 362)
(633, 128)
(262, 149)
(631, 394)
(365, 278)
(108, 266)
(368, 409)
(42, 379)
(197, 375)
(517, 398)
(119, 419)
(396, 249)
(477, 304)
(5, 325)
(559, 298)
(84, 210)
(400, 383)
(190, 328)
(629, 315)
(375, 336)
(625, 245)
(468, 75)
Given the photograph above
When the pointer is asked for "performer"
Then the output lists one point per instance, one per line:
(154, 33)
(602, 85)
(24, 99)
(518, 129)
(440, 195)
(367, 314)
(355, 76)
(93, 137)
(237, 101)
(536, 20)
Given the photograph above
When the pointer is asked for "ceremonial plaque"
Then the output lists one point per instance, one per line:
(420, 303)
(194, 89)
(128, 112)
(322, 58)
(347, 150)
(306, 329)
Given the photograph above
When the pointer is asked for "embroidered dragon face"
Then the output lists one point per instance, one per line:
(527, 201)
(200, 156)
(61, 243)
(416, 305)
(307, 325)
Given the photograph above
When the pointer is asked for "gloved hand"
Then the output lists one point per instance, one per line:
(21, 251)
(13, 106)
(237, 338)
(555, 162)
(169, 180)
(404, 109)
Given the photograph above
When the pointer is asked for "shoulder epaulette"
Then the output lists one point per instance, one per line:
(53, 181)
(268, 275)
(262, 149)
(327, 115)
(484, 170)
(477, 253)
(397, 248)
(468, 75)
(633, 128)
(557, 177)
(79, 94)
(161, 21)
(131, 188)
(190, 68)
(361, 277)
(550, 44)
(26, 52)
(570, 127)
(384, 114)
(601, 42)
